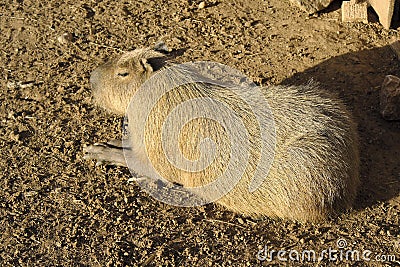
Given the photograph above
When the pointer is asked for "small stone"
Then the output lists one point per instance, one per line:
(176, 40)
(202, 5)
(65, 38)
(11, 85)
(30, 193)
(390, 98)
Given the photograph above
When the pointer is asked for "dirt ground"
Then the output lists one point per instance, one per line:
(58, 209)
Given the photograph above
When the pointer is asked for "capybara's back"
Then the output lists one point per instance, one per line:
(315, 172)
(315, 168)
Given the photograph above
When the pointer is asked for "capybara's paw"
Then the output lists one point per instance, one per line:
(110, 153)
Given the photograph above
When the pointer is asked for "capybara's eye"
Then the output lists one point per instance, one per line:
(123, 74)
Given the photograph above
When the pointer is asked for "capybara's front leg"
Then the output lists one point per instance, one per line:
(109, 153)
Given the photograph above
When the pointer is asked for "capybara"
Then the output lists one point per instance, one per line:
(315, 169)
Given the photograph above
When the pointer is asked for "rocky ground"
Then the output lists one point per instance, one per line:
(59, 210)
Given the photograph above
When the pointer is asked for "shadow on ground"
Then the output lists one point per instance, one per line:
(357, 78)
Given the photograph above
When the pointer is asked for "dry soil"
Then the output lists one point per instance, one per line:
(59, 210)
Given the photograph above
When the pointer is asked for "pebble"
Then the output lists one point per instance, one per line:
(65, 38)
(390, 98)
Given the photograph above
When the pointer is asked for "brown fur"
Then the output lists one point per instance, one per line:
(315, 172)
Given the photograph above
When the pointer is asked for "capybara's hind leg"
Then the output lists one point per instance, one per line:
(109, 153)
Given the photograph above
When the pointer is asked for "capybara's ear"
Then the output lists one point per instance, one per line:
(148, 68)
(161, 47)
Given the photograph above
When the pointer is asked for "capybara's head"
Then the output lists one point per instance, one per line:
(115, 82)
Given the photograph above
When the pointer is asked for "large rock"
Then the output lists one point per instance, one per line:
(390, 98)
(312, 6)
(384, 9)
